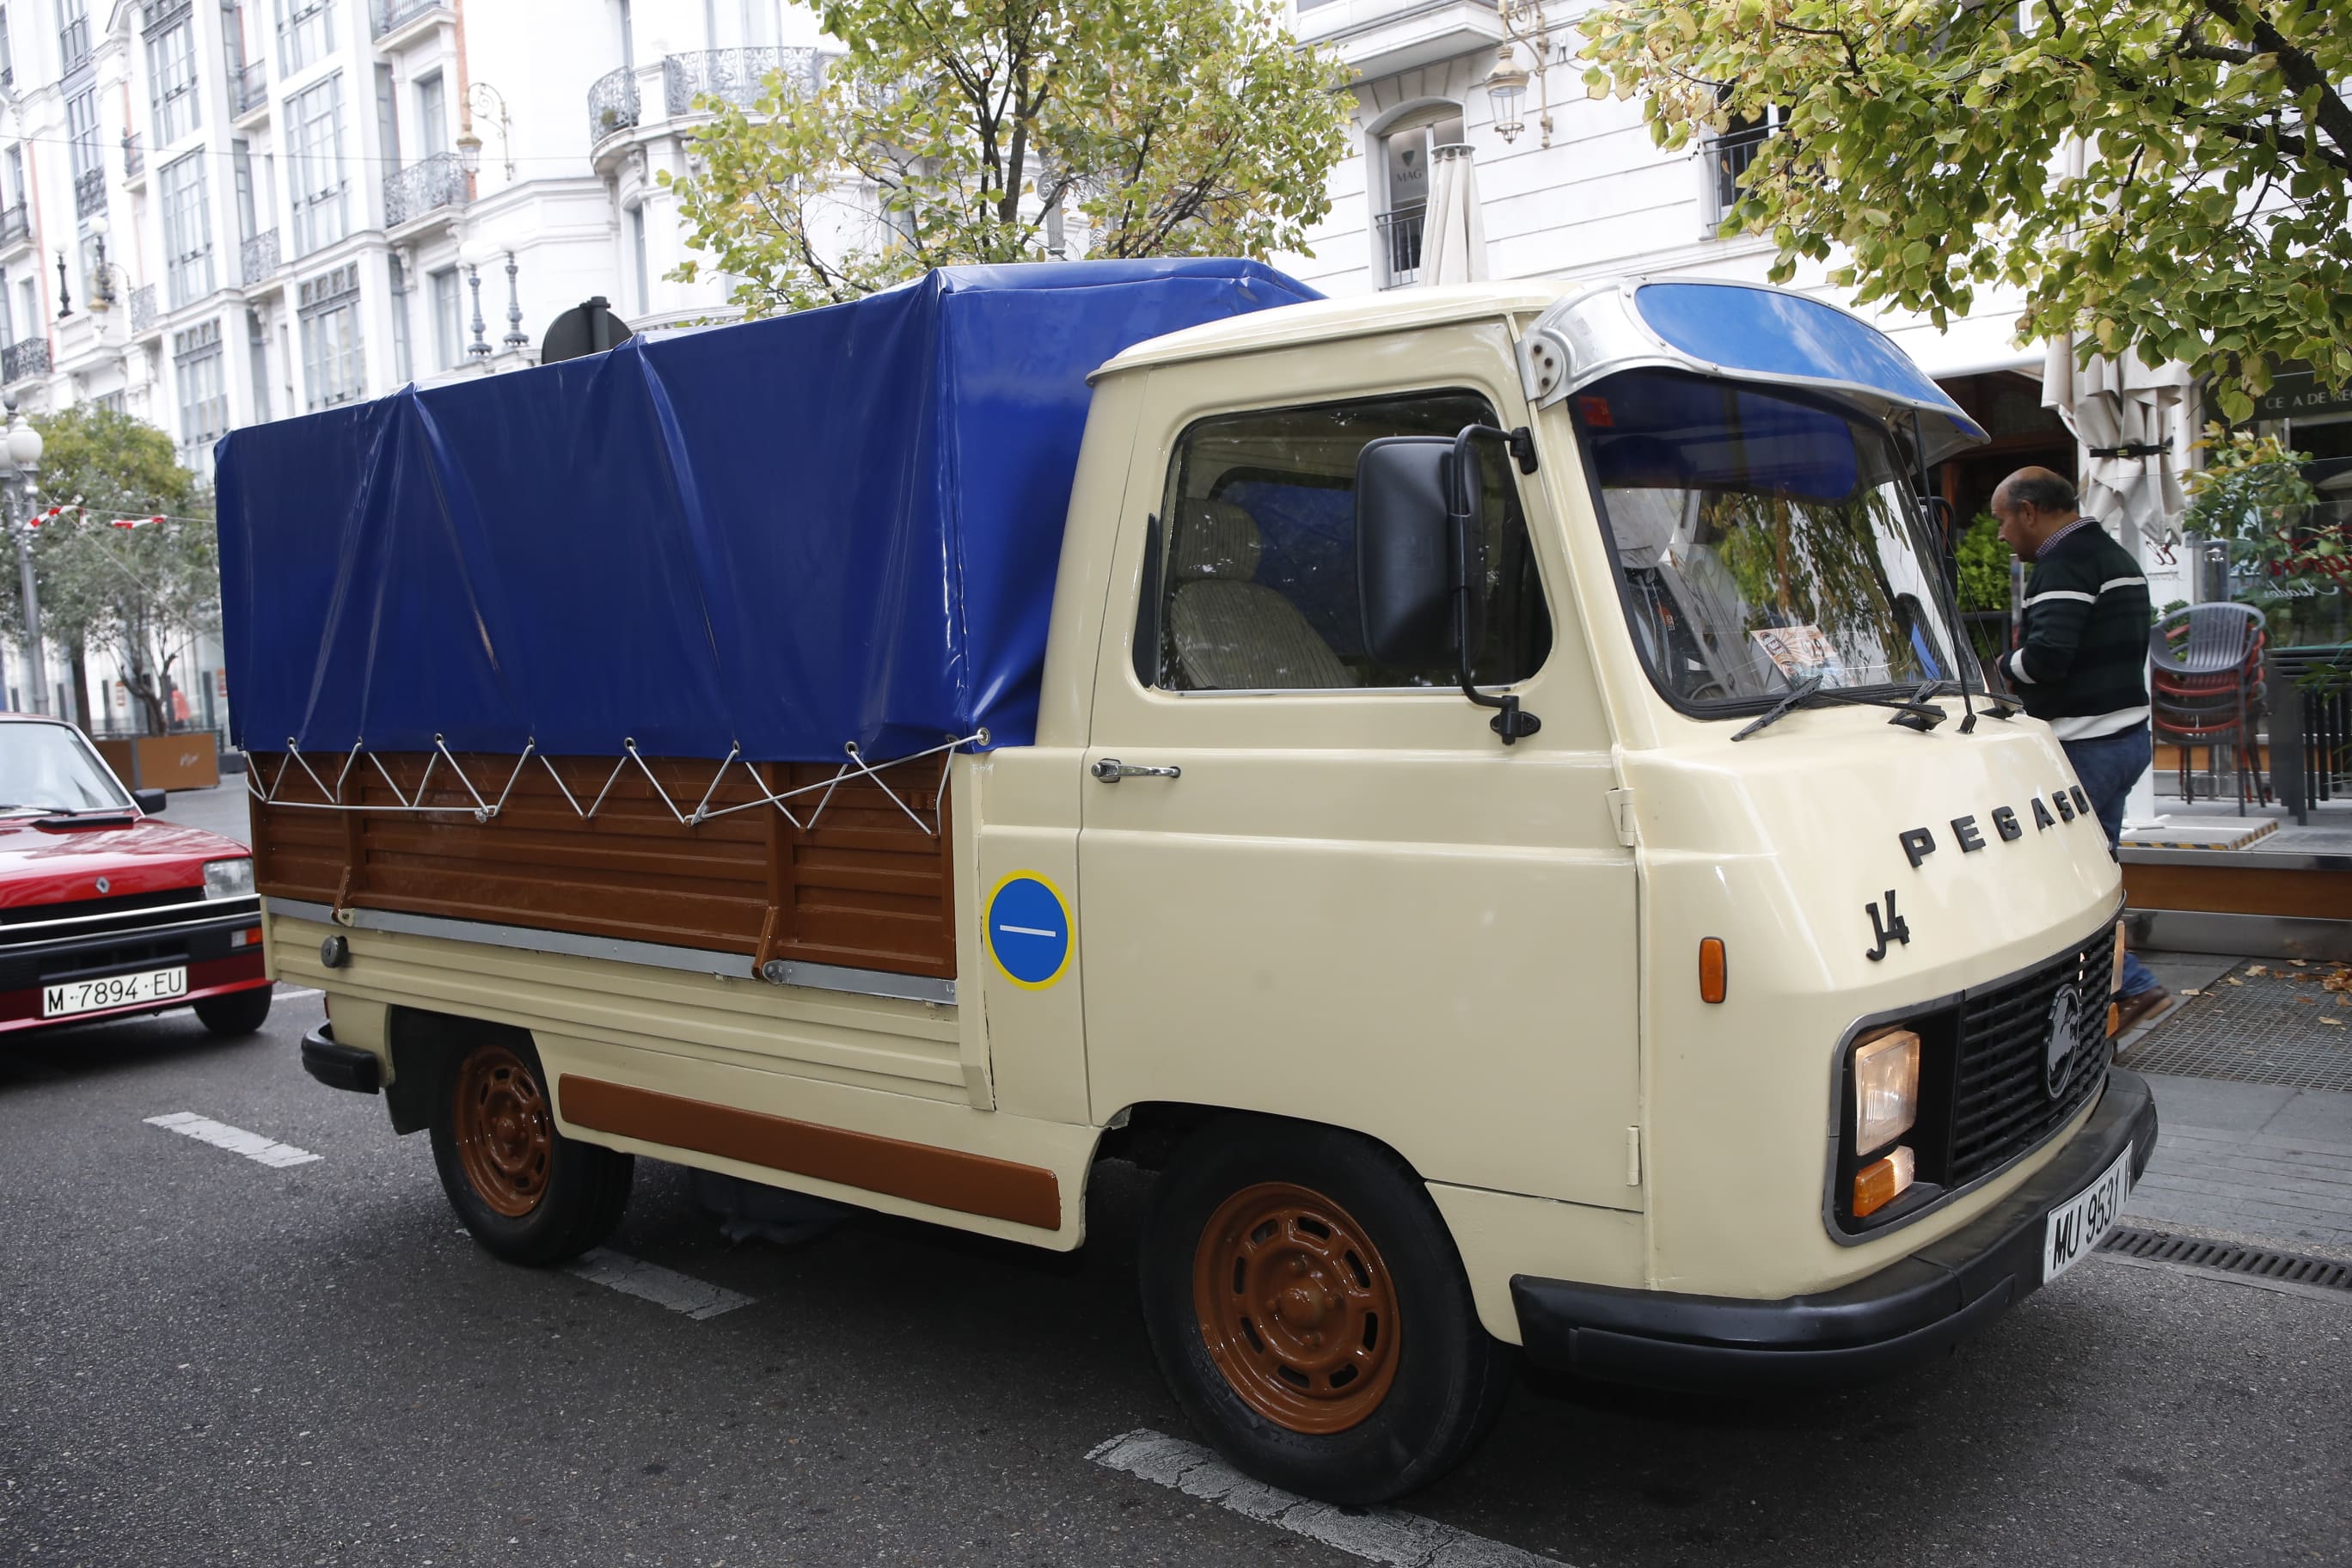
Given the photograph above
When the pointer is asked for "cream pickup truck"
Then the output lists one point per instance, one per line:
(1480, 789)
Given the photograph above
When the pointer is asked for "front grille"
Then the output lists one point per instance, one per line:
(2001, 1104)
(119, 904)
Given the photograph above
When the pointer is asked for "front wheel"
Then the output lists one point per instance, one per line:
(1311, 1313)
(238, 1013)
(525, 1192)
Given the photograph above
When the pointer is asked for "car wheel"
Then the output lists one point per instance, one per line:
(525, 1192)
(238, 1013)
(1311, 1314)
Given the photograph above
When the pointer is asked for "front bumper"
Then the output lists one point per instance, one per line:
(220, 948)
(1907, 1312)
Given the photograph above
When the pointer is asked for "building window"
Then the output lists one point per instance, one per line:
(1732, 154)
(449, 320)
(1406, 151)
(306, 33)
(257, 350)
(432, 116)
(400, 369)
(7, 52)
(171, 73)
(188, 231)
(315, 134)
(196, 369)
(112, 402)
(637, 250)
(329, 309)
(82, 128)
(73, 34)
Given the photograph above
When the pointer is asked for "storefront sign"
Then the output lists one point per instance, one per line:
(2297, 394)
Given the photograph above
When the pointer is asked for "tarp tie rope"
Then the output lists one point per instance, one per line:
(483, 810)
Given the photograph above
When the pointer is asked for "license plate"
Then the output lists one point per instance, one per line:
(2074, 1228)
(113, 991)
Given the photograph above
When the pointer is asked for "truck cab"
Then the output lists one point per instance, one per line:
(1511, 830)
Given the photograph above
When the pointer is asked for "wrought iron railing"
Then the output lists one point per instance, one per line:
(425, 186)
(22, 361)
(391, 14)
(1400, 245)
(143, 307)
(736, 75)
(612, 103)
(90, 193)
(1728, 157)
(16, 228)
(258, 257)
(248, 88)
(134, 155)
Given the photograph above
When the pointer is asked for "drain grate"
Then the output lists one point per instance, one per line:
(2259, 1261)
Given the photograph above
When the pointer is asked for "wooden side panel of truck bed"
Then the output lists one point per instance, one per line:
(865, 887)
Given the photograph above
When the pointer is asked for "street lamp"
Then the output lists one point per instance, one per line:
(20, 460)
(484, 100)
(472, 255)
(1507, 87)
(1506, 84)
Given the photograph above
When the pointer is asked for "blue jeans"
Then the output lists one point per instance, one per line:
(2108, 767)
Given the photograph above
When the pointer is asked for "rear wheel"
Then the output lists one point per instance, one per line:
(1311, 1314)
(524, 1191)
(238, 1013)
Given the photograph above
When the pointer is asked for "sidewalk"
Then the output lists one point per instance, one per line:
(2256, 1141)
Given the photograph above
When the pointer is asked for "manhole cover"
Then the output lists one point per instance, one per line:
(2261, 1023)
(2258, 1261)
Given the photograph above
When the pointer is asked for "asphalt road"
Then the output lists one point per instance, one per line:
(209, 1360)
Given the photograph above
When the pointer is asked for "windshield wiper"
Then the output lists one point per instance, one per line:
(1788, 704)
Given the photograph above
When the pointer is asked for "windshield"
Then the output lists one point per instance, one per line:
(48, 767)
(1762, 541)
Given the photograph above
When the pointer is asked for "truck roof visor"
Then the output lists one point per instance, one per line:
(1737, 332)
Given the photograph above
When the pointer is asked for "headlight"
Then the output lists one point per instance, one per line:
(228, 878)
(1885, 1089)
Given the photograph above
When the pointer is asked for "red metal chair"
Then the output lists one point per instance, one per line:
(2205, 689)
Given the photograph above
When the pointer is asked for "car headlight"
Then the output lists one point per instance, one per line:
(228, 878)
(1885, 1089)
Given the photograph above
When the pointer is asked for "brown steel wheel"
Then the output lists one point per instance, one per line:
(505, 1132)
(1297, 1308)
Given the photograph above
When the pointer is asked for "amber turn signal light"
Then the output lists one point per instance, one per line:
(1710, 969)
(1881, 1182)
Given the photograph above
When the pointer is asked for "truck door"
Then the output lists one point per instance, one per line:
(1316, 888)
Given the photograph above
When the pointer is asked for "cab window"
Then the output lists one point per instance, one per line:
(1251, 580)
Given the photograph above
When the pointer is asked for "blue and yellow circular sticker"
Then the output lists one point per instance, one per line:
(1029, 930)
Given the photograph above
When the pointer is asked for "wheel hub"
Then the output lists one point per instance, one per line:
(504, 1129)
(1297, 1308)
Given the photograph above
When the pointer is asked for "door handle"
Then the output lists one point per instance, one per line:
(1110, 770)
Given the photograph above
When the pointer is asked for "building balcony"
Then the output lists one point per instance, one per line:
(16, 228)
(142, 309)
(24, 361)
(738, 75)
(1401, 235)
(258, 258)
(423, 188)
(249, 90)
(134, 157)
(612, 103)
(1381, 38)
(89, 194)
(391, 18)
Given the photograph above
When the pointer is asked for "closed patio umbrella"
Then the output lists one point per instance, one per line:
(1454, 242)
(2132, 421)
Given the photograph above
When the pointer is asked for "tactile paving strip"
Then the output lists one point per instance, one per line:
(2276, 1025)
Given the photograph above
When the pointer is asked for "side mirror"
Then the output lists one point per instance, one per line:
(1407, 571)
(151, 801)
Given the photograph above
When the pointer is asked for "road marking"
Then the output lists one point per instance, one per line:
(651, 1282)
(291, 993)
(1375, 1534)
(236, 1140)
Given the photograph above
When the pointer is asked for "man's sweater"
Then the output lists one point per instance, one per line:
(2083, 664)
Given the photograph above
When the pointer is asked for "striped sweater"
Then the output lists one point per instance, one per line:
(2083, 664)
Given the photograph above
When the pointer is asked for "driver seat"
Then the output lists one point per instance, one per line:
(1230, 632)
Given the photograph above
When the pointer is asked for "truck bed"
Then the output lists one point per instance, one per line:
(865, 885)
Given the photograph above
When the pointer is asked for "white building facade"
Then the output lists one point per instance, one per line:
(218, 212)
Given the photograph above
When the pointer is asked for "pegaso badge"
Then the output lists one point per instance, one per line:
(2065, 1033)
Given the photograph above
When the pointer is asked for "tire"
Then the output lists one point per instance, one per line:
(526, 1192)
(238, 1013)
(1311, 1313)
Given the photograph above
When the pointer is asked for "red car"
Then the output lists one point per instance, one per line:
(106, 912)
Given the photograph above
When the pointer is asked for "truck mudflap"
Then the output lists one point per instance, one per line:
(340, 1066)
(1906, 1313)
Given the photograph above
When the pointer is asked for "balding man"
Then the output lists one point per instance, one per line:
(2082, 664)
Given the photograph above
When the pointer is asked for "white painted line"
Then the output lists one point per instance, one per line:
(236, 1140)
(1375, 1534)
(654, 1283)
(295, 993)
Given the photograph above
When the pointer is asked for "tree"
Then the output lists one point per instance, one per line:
(1931, 148)
(142, 593)
(955, 132)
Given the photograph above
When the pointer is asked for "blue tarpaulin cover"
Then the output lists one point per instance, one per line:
(834, 526)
